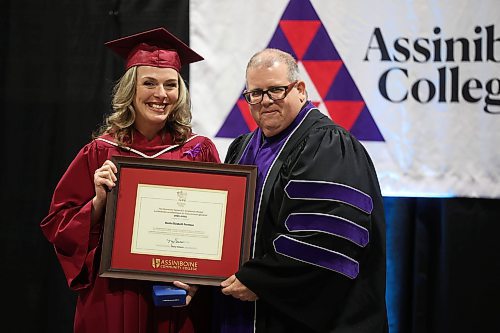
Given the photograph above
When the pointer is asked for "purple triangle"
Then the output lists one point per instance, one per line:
(321, 47)
(365, 128)
(234, 125)
(279, 41)
(343, 88)
(299, 10)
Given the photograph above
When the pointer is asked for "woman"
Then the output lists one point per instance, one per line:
(151, 118)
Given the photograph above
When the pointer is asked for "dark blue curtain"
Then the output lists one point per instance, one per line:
(443, 264)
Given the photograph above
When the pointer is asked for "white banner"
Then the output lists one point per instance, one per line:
(418, 83)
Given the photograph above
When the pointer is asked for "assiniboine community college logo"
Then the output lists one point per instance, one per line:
(301, 33)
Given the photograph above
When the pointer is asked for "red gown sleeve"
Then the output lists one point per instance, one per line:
(67, 226)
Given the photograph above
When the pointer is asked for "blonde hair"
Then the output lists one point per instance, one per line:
(120, 122)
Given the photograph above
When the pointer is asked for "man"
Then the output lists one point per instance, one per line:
(318, 241)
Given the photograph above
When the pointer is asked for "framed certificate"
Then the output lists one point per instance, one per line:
(177, 220)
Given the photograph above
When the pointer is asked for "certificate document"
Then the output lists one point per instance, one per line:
(179, 222)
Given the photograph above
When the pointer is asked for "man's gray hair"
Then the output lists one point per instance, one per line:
(268, 57)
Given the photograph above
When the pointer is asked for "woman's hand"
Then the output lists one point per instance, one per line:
(191, 290)
(104, 181)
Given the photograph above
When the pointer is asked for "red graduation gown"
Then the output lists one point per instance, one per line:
(115, 305)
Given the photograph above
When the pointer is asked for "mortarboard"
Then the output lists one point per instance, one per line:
(157, 48)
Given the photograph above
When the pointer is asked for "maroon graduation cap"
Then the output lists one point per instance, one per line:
(157, 48)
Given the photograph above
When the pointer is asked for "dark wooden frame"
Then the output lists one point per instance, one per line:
(249, 173)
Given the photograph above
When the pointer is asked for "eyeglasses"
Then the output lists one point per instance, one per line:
(275, 93)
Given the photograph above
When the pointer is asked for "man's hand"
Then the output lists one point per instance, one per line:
(232, 286)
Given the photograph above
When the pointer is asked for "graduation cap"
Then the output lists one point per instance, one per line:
(157, 48)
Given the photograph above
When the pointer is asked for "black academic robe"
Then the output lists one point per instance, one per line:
(319, 256)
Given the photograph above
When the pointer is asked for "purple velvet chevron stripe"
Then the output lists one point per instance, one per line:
(312, 190)
(316, 255)
(331, 224)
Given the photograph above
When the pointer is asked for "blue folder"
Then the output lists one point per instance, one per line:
(169, 296)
